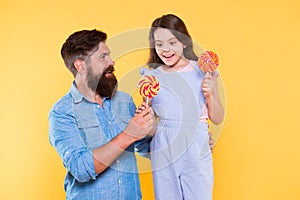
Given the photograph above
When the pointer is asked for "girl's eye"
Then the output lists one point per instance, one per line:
(173, 42)
(158, 44)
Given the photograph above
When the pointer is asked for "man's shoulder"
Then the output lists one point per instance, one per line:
(64, 104)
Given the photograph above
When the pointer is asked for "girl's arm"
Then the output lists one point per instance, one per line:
(210, 90)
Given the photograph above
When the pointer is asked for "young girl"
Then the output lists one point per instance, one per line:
(180, 152)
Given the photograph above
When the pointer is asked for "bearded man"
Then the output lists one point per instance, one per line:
(94, 127)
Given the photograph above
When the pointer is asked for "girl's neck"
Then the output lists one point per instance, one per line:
(177, 67)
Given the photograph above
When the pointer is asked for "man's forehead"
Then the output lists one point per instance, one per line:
(103, 48)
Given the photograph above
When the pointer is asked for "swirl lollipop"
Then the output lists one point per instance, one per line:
(148, 87)
(208, 61)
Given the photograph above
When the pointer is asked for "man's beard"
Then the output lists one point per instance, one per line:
(103, 85)
(107, 85)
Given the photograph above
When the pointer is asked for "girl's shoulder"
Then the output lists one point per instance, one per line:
(195, 65)
(147, 71)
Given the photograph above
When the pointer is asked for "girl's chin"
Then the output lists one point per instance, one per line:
(169, 61)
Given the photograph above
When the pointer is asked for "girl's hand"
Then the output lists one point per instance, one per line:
(210, 85)
(210, 90)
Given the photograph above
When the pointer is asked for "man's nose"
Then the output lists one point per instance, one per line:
(110, 61)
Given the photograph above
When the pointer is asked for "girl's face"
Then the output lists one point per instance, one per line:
(169, 48)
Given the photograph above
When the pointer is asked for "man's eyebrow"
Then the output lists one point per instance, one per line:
(105, 53)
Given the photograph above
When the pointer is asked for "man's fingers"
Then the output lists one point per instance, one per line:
(145, 112)
(211, 142)
(143, 116)
(145, 105)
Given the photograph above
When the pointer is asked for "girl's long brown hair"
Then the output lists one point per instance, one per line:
(179, 30)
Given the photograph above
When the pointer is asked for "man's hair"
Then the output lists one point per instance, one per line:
(81, 45)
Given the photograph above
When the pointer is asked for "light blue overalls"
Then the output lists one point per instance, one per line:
(180, 154)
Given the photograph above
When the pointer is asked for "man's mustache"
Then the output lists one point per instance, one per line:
(109, 69)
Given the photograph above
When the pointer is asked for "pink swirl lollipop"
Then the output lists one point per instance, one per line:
(148, 87)
(208, 61)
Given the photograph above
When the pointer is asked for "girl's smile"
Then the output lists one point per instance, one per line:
(169, 48)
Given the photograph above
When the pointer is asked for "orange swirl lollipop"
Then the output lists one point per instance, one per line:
(148, 87)
(208, 61)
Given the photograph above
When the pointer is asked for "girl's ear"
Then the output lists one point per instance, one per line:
(80, 66)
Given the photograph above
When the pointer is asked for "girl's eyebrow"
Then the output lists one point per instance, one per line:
(172, 38)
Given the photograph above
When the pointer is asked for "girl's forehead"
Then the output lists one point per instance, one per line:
(163, 34)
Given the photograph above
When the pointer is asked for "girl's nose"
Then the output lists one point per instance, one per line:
(166, 47)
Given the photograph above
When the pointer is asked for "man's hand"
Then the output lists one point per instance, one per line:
(140, 109)
(211, 141)
(141, 124)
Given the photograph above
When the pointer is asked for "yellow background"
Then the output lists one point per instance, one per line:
(257, 155)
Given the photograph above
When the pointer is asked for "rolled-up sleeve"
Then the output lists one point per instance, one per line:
(64, 137)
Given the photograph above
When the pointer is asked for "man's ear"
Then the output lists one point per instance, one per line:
(80, 66)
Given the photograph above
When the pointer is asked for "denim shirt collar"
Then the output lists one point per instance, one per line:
(76, 95)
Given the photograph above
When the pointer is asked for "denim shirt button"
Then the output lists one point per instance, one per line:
(120, 181)
(97, 106)
(118, 161)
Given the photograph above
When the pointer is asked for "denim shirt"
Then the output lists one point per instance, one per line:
(76, 127)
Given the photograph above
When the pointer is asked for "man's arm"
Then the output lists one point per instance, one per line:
(85, 164)
(65, 138)
(138, 127)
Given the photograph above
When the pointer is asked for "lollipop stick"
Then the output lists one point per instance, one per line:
(147, 100)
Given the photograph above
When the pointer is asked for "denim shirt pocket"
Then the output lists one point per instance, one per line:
(89, 126)
(122, 121)
(91, 133)
(121, 112)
